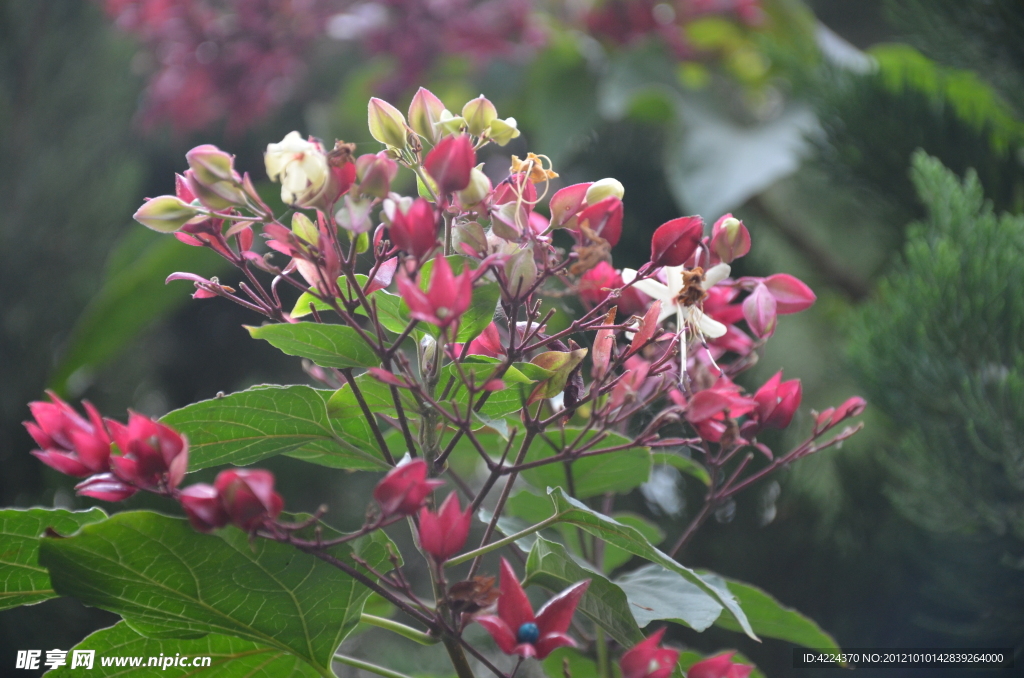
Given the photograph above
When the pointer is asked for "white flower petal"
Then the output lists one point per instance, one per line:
(667, 311)
(716, 274)
(709, 327)
(653, 288)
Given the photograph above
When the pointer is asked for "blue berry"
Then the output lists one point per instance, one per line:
(528, 633)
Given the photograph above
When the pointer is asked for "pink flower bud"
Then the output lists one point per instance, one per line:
(450, 163)
(105, 487)
(415, 231)
(443, 534)
(248, 497)
(777, 401)
(791, 295)
(648, 659)
(375, 173)
(387, 124)
(730, 239)
(152, 455)
(604, 218)
(424, 113)
(567, 202)
(203, 507)
(404, 489)
(445, 300)
(760, 311)
(674, 242)
(719, 666)
(68, 442)
(165, 214)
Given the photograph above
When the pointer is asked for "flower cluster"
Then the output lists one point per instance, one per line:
(118, 460)
(428, 318)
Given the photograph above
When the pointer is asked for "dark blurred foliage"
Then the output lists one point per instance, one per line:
(979, 35)
(956, 466)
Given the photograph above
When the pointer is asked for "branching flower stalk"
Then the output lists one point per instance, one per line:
(429, 320)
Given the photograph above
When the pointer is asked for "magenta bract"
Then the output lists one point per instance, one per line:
(248, 497)
(674, 242)
(404, 489)
(647, 659)
(443, 534)
(549, 626)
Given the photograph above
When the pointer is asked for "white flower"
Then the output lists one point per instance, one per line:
(300, 166)
(690, 319)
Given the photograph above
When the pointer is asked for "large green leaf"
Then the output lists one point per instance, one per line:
(158, 571)
(132, 297)
(629, 539)
(656, 593)
(614, 556)
(229, 657)
(245, 427)
(551, 566)
(770, 618)
(619, 471)
(326, 345)
(22, 580)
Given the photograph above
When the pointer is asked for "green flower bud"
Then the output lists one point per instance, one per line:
(387, 124)
(165, 214)
(424, 114)
(469, 233)
(479, 114)
(478, 189)
(605, 188)
(305, 229)
(448, 124)
(503, 131)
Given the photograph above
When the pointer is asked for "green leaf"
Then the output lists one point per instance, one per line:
(614, 556)
(480, 313)
(579, 666)
(327, 345)
(229, 657)
(301, 307)
(619, 471)
(656, 593)
(500, 426)
(684, 464)
(158, 570)
(551, 566)
(22, 580)
(245, 427)
(770, 618)
(629, 539)
(133, 297)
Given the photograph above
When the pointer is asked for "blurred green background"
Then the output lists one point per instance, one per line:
(803, 119)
